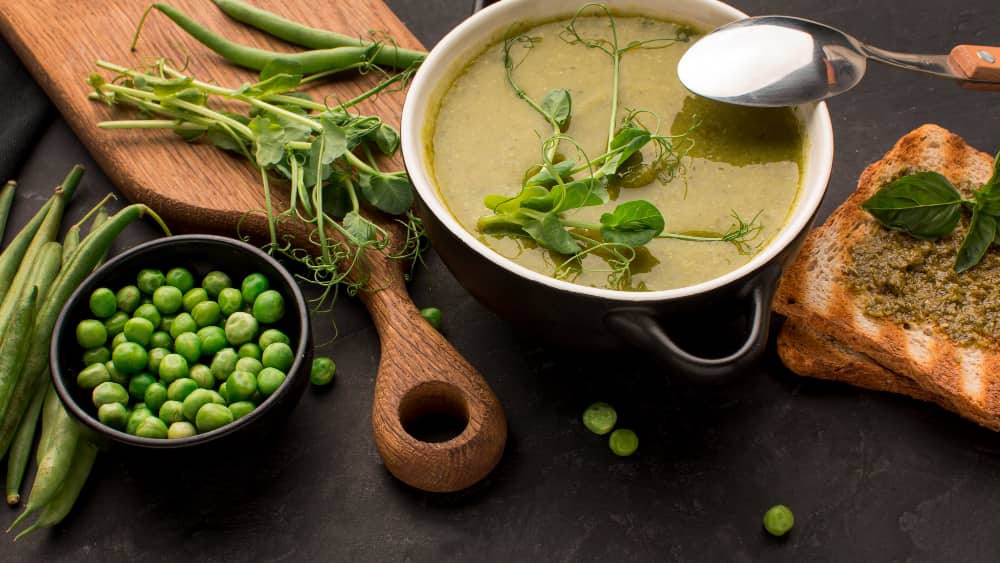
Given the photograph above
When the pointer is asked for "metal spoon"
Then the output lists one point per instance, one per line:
(774, 61)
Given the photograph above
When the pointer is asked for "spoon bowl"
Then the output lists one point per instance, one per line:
(774, 61)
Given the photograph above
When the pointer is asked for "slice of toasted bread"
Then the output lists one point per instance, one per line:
(814, 293)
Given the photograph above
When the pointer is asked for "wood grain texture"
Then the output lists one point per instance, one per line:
(967, 59)
(197, 187)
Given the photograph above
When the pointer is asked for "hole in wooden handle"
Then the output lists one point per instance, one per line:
(434, 412)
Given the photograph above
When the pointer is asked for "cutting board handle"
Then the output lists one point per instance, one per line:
(422, 379)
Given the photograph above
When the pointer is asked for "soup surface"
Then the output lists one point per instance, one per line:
(737, 161)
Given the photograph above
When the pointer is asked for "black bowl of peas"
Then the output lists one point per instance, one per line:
(182, 341)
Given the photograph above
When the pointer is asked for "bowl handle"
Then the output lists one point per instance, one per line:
(640, 327)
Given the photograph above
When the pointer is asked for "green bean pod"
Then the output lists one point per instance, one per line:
(43, 270)
(99, 219)
(89, 253)
(50, 411)
(14, 347)
(47, 232)
(83, 461)
(306, 62)
(70, 241)
(55, 465)
(20, 449)
(6, 201)
(298, 34)
(14, 254)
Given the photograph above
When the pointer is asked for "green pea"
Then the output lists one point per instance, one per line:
(240, 386)
(600, 418)
(323, 370)
(109, 392)
(778, 520)
(117, 375)
(150, 280)
(249, 350)
(97, 355)
(138, 330)
(257, 397)
(91, 333)
(183, 322)
(128, 298)
(269, 379)
(241, 409)
(118, 339)
(114, 415)
(230, 301)
(170, 411)
(129, 357)
(189, 346)
(181, 429)
(156, 356)
(433, 316)
(212, 416)
(269, 307)
(192, 297)
(206, 313)
(92, 376)
(155, 396)
(272, 335)
(116, 323)
(215, 282)
(212, 339)
(138, 414)
(623, 442)
(240, 327)
(172, 368)
(168, 299)
(223, 363)
(202, 375)
(138, 384)
(151, 427)
(149, 312)
(217, 398)
(278, 355)
(253, 285)
(161, 339)
(166, 322)
(181, 278)
(224, 393)
(194, 401)
(103, 303)
(181, 388)
(249, 364)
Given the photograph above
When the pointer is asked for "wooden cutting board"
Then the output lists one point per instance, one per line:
(197, 187)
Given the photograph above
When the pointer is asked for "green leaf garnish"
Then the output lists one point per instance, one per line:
(925, 205)
(633, 223)
(558, 106)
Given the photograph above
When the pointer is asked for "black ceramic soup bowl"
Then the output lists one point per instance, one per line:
(200, 254)
(598, 318)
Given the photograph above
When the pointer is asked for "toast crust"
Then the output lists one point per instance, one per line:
(814, 294)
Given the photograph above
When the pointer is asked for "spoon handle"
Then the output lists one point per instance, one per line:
(977, 62)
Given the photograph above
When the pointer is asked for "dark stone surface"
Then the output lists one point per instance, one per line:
(869, 476)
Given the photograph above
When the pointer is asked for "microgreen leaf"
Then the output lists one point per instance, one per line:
(170, 87)
(224, 140)
(359, 228)
(334, 143)
(269, 145)
(336, 199)
(982, 232)
(633, 223)
(544, 178)
(581, 193)
(391, 193)
(549, 232)
(627, 142)
(313, 166)
(277, 84)
(386, 139)
(507, 204)
(558, 105)
(280, 65)
(925, 205)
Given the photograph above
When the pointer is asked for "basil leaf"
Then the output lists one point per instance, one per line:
(925, 205)
(550, 233)
(982, 232)
(388, 192)
(630, 140)
(544, 178)
(558, 105)
(633, 223)
(359, 228)
(988, 197)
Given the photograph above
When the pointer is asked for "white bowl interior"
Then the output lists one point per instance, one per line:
(468, 40)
